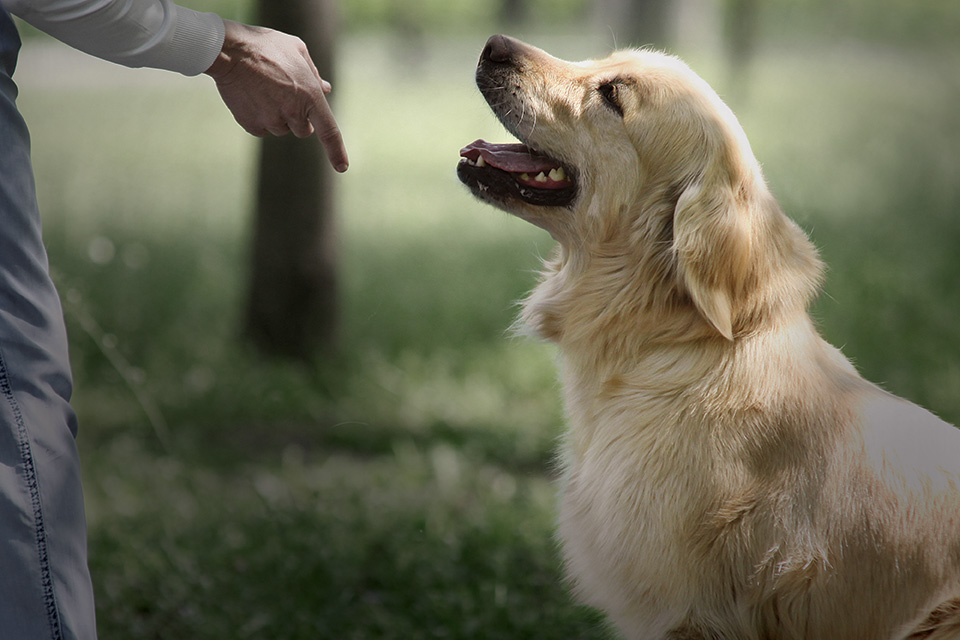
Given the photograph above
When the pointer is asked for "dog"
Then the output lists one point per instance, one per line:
(728, 475)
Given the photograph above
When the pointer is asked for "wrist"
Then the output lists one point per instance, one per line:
(220, 67)
(231, 51)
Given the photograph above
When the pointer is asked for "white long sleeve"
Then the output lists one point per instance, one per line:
(134, 33)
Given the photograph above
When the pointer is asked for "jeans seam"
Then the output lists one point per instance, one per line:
(33, 486)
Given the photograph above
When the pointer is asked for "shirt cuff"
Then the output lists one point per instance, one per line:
(195, 42)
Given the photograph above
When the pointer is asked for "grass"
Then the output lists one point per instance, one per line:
(403, 488)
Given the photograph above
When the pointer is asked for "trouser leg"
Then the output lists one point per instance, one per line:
(45, 589)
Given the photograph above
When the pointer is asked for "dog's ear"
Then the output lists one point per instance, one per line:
(711, 242)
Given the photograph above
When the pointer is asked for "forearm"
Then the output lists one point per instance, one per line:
(134, 33)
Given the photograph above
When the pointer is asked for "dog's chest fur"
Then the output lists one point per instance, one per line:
(675, 469)
(656, 489)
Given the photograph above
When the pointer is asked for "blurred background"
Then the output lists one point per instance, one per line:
(302, 412)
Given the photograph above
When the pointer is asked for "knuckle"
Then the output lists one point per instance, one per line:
(331, 136)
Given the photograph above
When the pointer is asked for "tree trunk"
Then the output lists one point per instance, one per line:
(742, 26)
(514, 13)
(637, 23)
(292, 308)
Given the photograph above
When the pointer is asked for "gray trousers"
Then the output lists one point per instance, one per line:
(45, 589)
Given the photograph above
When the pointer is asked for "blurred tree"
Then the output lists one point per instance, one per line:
(514, 12)
(637, 22)
(741, 22)
(292, 308)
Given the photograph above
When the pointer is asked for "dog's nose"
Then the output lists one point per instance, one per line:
(499, 49)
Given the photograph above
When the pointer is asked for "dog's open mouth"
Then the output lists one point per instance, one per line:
(503, 171)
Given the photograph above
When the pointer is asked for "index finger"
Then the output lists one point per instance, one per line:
(321, 117)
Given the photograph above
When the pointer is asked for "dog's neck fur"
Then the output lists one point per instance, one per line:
(616, 304)
(629, 273)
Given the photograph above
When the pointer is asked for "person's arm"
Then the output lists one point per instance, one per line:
(134, 33)
(266, 78)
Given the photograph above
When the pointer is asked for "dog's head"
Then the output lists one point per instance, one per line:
(646, 179)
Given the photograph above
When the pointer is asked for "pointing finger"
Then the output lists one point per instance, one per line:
(321, 117)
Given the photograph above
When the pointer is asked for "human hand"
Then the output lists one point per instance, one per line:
(270, 84)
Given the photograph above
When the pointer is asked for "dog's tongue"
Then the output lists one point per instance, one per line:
(515, 158)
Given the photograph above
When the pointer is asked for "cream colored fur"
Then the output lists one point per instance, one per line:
(728, 474)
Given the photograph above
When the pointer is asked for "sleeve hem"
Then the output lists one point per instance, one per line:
(195, 43)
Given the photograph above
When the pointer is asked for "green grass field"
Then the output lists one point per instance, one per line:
(403, 489)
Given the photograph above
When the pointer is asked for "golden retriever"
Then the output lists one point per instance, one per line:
(728, 474)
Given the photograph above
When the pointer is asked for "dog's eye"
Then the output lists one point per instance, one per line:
(610, 92)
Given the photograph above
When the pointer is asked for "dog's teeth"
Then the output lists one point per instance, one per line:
(558, 174)
(541, 177)
(524, 176)
(481, 162)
